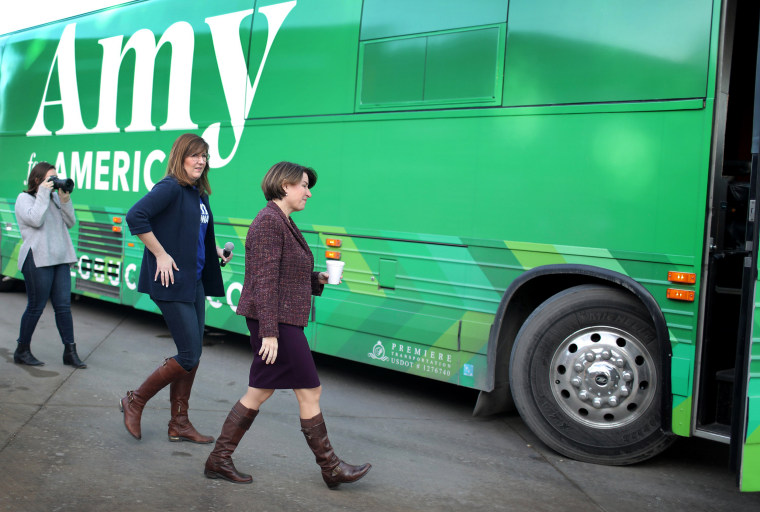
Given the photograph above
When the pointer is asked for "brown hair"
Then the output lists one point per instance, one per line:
(285, 172)
(186, 145)
(37, 176)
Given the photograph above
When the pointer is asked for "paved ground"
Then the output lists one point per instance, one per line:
(63, 446)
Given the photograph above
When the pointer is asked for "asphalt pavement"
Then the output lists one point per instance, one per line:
(63, 446)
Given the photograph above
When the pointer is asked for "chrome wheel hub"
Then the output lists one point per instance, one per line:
(603, 377)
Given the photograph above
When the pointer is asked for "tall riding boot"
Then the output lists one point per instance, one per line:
(70, 356)
(180, 428)
(334, 470)
(23, 355)
(132, 404)
(219, 463)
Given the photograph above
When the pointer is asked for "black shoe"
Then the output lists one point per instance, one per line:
(23, 355)
(70, 356)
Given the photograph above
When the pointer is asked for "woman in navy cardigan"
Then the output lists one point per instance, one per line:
(276, 299)
(180, 267)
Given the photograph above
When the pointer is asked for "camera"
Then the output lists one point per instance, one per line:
(66, 185)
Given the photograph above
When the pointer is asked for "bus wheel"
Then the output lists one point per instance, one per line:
(7, 284)
(585, 375)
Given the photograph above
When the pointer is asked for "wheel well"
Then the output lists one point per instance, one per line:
(535, 291)
(535, 286)
(9, 284)
(525, 300)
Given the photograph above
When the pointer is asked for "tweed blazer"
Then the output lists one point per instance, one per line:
(279, 273)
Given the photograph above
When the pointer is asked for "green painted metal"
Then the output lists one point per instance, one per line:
(750, 461)
(456, 149)
(568, 52)
(389, 18)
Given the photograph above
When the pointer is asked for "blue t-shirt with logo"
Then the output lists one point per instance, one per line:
(202, 239)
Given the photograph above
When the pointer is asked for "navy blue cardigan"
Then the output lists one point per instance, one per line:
(173, 213)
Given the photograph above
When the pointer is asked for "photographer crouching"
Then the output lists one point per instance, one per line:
(45, 214)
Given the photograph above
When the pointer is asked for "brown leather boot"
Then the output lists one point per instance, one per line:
(219, 463)
(132, 405)
(180, 428)
(334, 470)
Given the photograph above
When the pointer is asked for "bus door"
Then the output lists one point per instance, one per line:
(745, 414)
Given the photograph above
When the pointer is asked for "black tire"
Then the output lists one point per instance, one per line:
(585, 374)
(7, 284)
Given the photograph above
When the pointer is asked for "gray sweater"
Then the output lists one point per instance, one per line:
(44, 225)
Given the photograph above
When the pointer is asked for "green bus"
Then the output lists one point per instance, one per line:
(551, 201)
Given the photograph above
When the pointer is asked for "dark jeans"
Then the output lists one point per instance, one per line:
(43, 283)
(186, 321)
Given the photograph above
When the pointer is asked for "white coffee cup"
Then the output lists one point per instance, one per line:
(334, 271)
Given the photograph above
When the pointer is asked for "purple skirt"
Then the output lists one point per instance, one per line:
(294, 367)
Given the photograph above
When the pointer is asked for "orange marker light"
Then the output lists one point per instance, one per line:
(130, 244)
(332, 255)
(333, 242)
(682, 277)
(685, 295)
(117, 220)
(116, 229)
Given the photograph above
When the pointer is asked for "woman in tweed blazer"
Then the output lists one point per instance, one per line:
(276, 299)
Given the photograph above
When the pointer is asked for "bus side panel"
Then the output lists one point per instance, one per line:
(10, 239)
(422, 308)
(561, 51)
(750, 463)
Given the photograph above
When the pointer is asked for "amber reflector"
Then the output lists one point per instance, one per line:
(117, 220)
(333, 242)
(130, 244)
(687, 295)
(116, 229)
(682, 277)
(332, 255)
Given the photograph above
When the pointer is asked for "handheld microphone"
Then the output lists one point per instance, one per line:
(228, 247)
